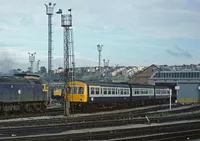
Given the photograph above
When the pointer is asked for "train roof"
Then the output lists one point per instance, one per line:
(16, 79)
(12, 79)
(123, 84)
(99, 83)
(28, 75)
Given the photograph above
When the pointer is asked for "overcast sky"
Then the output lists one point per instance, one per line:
(133, 32)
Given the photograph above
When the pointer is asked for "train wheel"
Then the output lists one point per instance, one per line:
(37, 107)
(42, 108)
(29, 108)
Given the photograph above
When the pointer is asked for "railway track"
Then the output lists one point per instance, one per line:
(140, 132)
(60, 119)
(60, 111)
(56, 128)
(96, 116)
(17, 114)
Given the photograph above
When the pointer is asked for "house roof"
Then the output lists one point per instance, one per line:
(156, 67)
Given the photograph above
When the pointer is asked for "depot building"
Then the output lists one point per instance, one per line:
(185, 85)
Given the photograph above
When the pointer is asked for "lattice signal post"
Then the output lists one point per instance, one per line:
(49, 12)
(69, 62)
(32, 60)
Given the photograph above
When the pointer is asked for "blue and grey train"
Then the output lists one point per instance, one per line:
(103, 94)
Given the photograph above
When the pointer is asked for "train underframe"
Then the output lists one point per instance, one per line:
(27, 107)
(100, 105)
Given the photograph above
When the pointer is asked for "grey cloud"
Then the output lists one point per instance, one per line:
(158, 18)
(179, 52)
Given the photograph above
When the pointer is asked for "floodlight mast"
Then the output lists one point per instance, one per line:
(49, 12)
(32, 60)
(69, 61)
(99, 48)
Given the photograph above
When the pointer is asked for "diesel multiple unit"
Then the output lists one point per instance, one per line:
(102, 94)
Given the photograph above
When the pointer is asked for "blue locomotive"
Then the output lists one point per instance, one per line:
(22, 92)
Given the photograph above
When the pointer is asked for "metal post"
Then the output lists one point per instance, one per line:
(49, 12)
(32, 60)
(66, 63)
(69, 62)
(99, 48)
(170, 99)
(32, 67)
(177, 89)
(177, 94)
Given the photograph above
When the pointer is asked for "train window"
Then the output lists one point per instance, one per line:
(162, 91)
(97, 90)
(121, 91)
(125, 91)
(92, 91)
(68, 90)
(136, 91)
(157, 91)
(141, 91)
(104, 90)
(109, 90)
(168, 91)
(74, 90)
(80, 90)
(150, 91)
(113, 91)
(146, 91)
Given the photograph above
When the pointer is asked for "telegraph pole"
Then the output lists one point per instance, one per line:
(69, 62)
